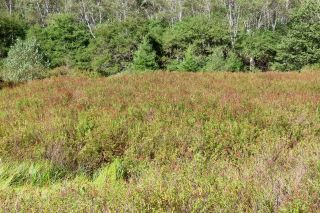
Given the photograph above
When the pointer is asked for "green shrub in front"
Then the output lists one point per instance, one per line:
(191, 62)
(24, 62)
(145, 57)
(221, 60)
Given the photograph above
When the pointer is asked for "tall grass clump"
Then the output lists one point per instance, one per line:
(36, 174)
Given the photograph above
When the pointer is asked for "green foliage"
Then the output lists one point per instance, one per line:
(156, 29)
(312, 67)
(210, 33)
(64, 40)
(1, 64)
(145, 57)
(85, 126)
(38, 174)
(25, 62)
(194, 146)
(259, 46)
(105, 36)
(216, 61)
(296, 206)
(191, 62)
(233, 62)
(300, 45)
(112, 50)
(113, 172)
(11, 28)
(221, 60)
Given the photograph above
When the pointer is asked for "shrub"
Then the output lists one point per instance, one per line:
(25, 62)
(202, 32)
(221, 60)
(233, 63)
(194, 146)
(216, 61)
(145, 57)
(313, 67)
(173, 65)
(190, 62)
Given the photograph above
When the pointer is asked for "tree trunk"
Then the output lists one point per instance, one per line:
(252, 64)
(9, 4)
(233, 16)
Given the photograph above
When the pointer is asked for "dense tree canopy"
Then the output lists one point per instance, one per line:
(63, 39)
(301, 45)
(108, 36)
(115, 43)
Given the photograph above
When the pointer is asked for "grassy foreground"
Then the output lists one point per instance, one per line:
(162, 142)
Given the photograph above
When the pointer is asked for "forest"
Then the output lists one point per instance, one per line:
(107, 37)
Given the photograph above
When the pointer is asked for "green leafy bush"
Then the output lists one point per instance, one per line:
(313, 67)
(215, 61)
(25, 62)
(233, 63)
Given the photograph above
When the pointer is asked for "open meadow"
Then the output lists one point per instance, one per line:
(173, 142)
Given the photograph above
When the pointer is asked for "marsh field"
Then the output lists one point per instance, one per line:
(162, 142)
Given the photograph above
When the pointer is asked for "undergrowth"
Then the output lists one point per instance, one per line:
(202, 142)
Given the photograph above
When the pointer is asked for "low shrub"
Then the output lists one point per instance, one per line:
(162, 141)
(221, 60)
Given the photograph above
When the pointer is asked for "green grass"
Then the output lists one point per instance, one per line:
(26, 173)
(162, 142)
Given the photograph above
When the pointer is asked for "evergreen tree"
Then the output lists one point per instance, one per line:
(221, 60)
(233, 63)
(145, 57)
(64, 40)
(215, 61)
(190, 62)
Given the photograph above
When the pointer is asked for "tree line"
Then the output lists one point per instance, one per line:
(112, 36)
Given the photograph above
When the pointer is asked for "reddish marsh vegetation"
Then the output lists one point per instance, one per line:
(162, 142)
